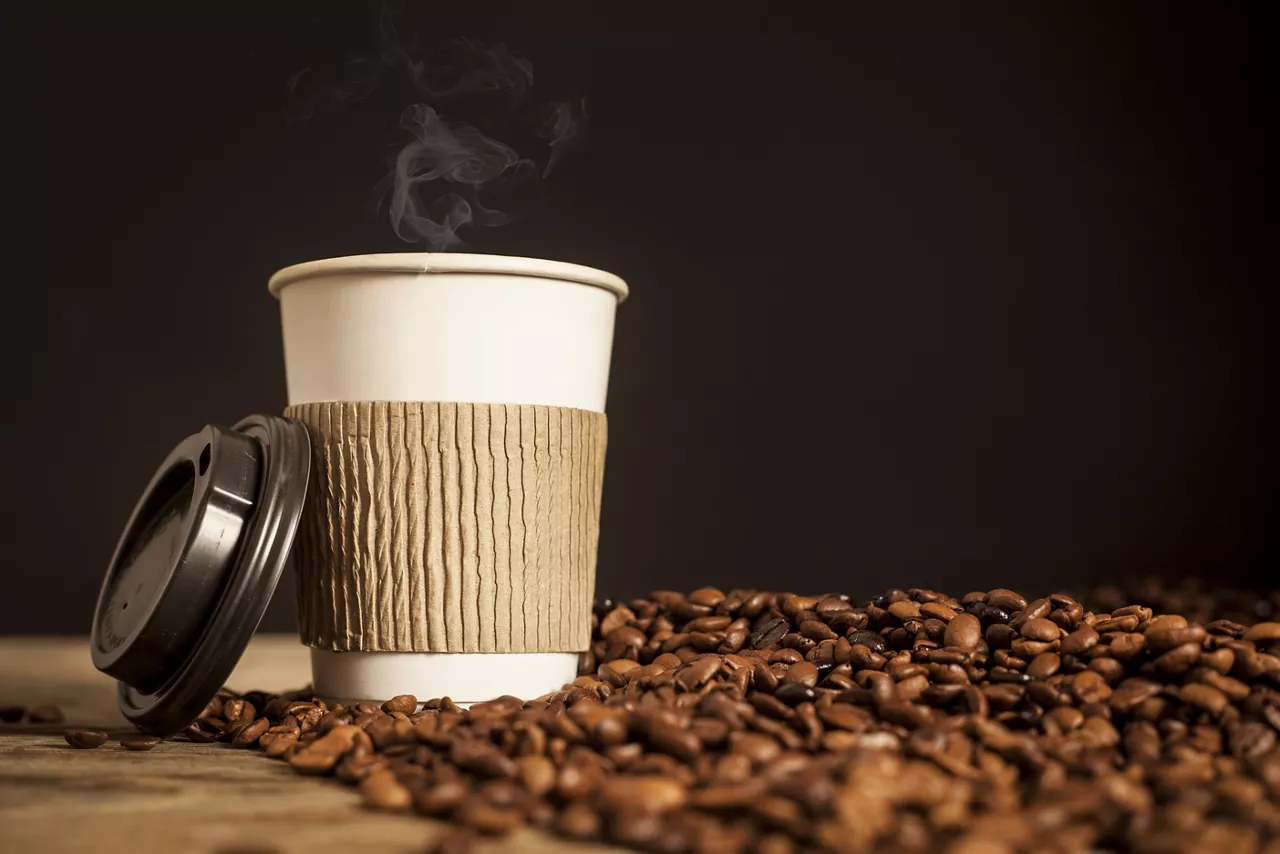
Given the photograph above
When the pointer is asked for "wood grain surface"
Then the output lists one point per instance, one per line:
(179, 797)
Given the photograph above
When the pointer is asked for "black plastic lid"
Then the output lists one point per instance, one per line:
(196, 567)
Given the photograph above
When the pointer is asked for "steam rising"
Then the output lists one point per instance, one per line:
(564, 126)
(457, 154)
(436, 183)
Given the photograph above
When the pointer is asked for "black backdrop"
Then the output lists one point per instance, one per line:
(948, 296)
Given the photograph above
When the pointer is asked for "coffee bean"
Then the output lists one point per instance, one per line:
(1131, 693)
(277, 744)
(1079, 641)
(1040, 629)
(772, 706)
(199, 734)
(760, 749)
(12, 714)
(578, 780)
(140, 742)
(963, 633)
(871, 640)
(1251, 739)
(45, 714)
(1178, 660)
(803, 673)
(1026, 649)
(404, 703)
(768, 633)
(249, 734)
(442, 797)
(85, 739)
(904, 609)
(1003, 675)
(793, 693)
(617, 618)
(698, 673)
(679, 743)
(1205, 697)
(483, 759)
(1044, 665)
(381, 790)
(537, 773)
(1263, 633)
(321, 755)
(649, 793)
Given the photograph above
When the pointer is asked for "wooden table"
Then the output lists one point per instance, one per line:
(178, 797)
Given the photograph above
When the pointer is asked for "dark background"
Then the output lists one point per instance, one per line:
(954, 296)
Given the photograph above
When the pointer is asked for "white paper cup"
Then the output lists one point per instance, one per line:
(456, 328)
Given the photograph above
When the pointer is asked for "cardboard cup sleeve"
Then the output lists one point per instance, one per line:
(449, 527)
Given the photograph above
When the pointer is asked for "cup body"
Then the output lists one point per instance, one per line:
(455, 404)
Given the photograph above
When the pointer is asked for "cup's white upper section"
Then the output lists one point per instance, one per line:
(448, 327)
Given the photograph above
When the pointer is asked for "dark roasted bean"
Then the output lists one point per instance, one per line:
(248, 735)
(85, 739)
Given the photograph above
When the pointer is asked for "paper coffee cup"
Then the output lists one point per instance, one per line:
(456, 410)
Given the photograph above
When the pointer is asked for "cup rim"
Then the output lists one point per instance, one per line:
(448, 262)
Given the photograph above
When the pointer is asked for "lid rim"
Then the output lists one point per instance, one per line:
(419, 263)
(261, 553)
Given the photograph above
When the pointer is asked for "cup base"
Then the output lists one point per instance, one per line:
(463, 677)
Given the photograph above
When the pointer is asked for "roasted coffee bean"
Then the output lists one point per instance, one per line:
(321, 755)
(45, 714)
(248, 735)
(12, 714)
(85, 739)
(381, 790)
(963, 633)
(1079, 641)
(698, 673)
(442, 796)
(199, 734)
(793, 693)
(1263, 633)
(769, 633)
(277, 744)
(232, 709)
(649, 793)
(1044, 665)
(405, 704)
(140, 742)
(1040, 629)
(803, 673)
(1178, 660)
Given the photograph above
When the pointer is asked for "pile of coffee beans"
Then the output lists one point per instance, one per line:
(747, 721)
